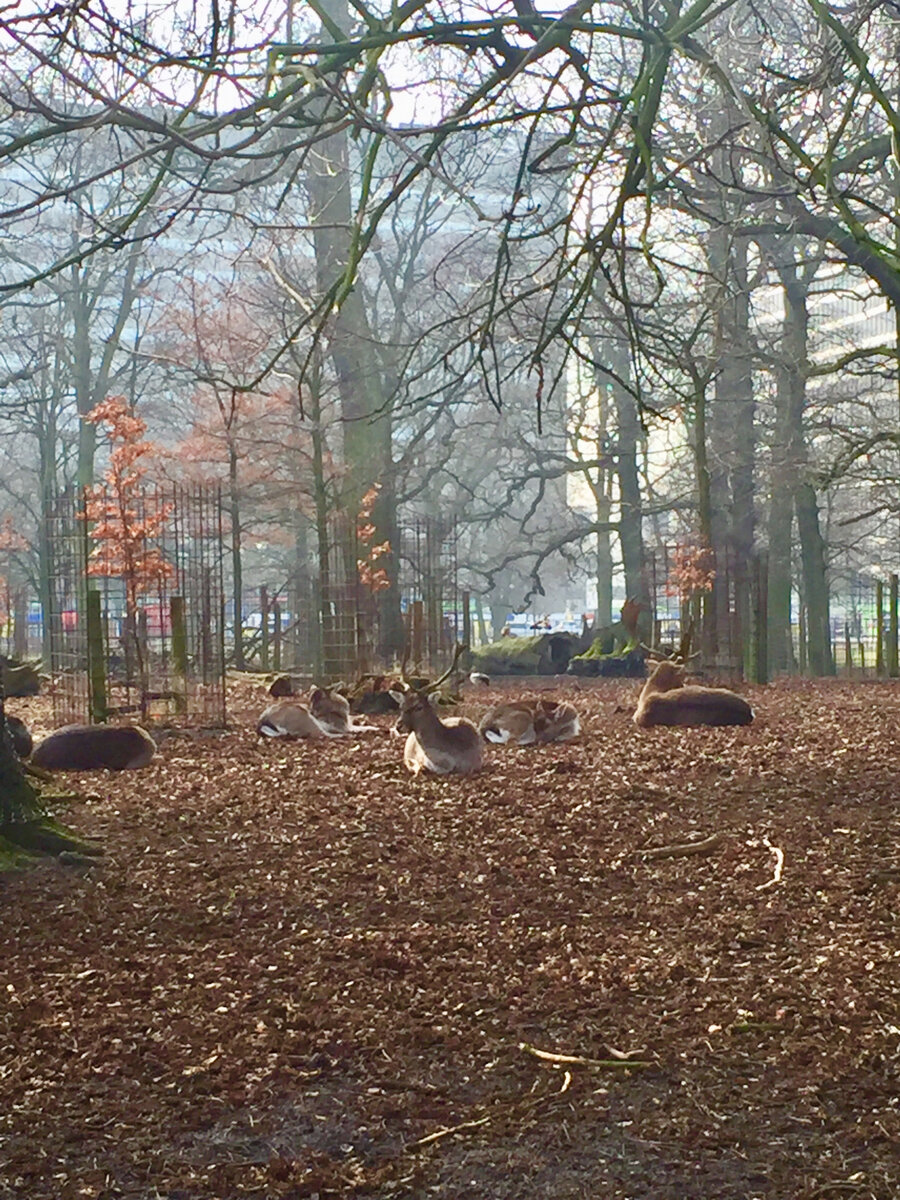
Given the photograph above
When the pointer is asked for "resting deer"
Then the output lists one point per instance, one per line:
(290, 719)
(528, 722)
(666, 700)
(91, 747)
(444, 747)
(332, 711)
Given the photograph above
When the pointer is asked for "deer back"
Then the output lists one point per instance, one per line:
(289, 719)
(95, 747)
(556, 722)
(693, 705)
(331, 709)
(510, 722)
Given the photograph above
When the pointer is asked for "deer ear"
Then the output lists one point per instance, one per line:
(315, 693)
(398, 696)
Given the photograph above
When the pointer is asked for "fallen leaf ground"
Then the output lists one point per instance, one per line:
(298, 972)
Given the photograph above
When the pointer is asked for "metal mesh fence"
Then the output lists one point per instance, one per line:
(163, 651)
(326, 621)
(137, 629)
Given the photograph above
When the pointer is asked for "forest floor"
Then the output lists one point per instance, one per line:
(298, 972)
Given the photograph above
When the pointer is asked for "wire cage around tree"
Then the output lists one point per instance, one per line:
(136, 630)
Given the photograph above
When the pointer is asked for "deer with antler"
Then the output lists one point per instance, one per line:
(445, 747)
(666, 699)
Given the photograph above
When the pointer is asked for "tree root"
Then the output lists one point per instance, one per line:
(44, 836)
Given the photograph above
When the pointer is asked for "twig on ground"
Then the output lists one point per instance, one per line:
(577, 1060)
(706, 846)
(779, 865)
(442, 1133)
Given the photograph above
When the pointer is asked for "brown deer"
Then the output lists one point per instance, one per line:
(666, 700)
(290, 719)
(92, 747)
(332, 711)
(530, 722)
(444, 747)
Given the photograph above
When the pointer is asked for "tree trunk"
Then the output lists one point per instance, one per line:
(815, 583)
(237, 562)
(365, 408)
(731, 432)
(789, 399)
(18, 800)
(819, 654)
(631, 516)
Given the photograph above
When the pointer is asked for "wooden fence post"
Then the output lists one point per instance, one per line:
(20, 626)
(879, 628)
(418, 633)
(179, 651)
(466, 621)
(97, 699)
(276, 636)
(758, 641)
(264, 628)
(892, 661)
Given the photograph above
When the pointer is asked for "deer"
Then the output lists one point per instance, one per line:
(666, 699)
(93, 747)
(290, 719)
(530, 722)
(332, 710)
(444, 747)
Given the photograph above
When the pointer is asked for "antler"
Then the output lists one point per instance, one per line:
(681, 655)
(461, 648)
(684, 648)
(404, 679)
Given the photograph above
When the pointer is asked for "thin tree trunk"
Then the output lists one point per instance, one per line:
(812, 552)
(237, 562)
(819, 654)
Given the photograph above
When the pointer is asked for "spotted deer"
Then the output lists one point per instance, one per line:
(332, 711)
(450, 746)
(290, 719)
(530, 722)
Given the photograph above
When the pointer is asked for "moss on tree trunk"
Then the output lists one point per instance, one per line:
(25, 828)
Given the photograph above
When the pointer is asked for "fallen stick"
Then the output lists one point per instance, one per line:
(779, 866)
(706, 846)
(577, 1060)
(442, 1133)
(530, 1102)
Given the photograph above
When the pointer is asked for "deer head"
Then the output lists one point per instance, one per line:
(413, 699)
(442, 747)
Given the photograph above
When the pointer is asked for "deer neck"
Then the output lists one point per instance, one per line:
(426, 722)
